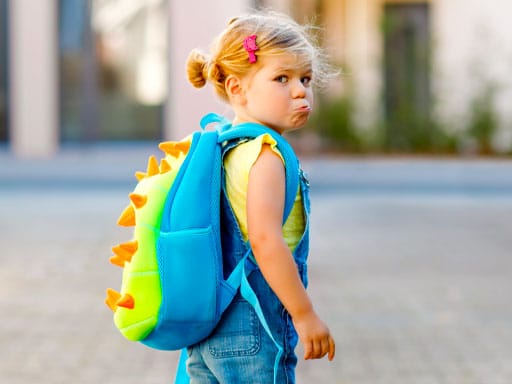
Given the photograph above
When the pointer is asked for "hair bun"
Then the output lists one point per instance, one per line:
(197, 69)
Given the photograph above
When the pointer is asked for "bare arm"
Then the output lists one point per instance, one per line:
(265, 206)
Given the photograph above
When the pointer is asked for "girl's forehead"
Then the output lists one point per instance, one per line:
(287, 61)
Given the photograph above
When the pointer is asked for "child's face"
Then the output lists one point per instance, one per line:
(278, 94)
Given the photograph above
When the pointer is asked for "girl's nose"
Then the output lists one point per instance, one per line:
(298, 90)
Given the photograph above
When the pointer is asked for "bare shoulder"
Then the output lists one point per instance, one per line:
(268, 161)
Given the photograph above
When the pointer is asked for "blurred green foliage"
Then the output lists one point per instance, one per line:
(483, 123)
(411, 131)
(408, 133)
(333, 122)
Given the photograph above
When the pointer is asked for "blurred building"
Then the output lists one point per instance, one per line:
(113, 70)
(81, 71)
(440, 62)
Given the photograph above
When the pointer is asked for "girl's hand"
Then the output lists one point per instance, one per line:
(314, 336)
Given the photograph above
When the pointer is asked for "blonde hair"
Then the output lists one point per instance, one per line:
(275, 34)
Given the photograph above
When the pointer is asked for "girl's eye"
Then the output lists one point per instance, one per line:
(305, 80)
(282, 79)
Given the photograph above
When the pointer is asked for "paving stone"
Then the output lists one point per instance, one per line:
(415, 284)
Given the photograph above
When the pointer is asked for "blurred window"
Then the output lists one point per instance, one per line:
(3, 71)
(113, 69)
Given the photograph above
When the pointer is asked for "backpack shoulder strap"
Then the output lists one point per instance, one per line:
(214, 118)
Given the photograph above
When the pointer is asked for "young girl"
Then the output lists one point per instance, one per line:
(264, 66)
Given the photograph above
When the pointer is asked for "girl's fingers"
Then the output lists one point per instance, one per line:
(332, 349)
(308, 351)
(317, 349)
(325, 347)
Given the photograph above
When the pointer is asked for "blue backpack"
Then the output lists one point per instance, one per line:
(173, 291)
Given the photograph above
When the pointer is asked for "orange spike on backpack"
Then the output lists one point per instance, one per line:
(126, 301)
(127, 218)
(117, 260)
(174, 148)
(152, 166)
(170, 148)
(123, 253)
(112, 297)
(183, 146)
(164, 166)
(138, 200)
(130, 246)
(140, 175)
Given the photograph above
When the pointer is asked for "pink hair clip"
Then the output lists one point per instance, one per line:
(250, 46)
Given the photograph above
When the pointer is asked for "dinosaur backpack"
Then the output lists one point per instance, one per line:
(173, 290)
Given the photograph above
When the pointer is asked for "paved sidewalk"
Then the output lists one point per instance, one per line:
(413, 274)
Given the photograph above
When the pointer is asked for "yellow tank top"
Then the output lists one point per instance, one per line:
(238, 163)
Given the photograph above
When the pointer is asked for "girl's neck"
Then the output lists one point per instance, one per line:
(239, 120)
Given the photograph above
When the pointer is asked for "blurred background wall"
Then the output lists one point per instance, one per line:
(416, 76)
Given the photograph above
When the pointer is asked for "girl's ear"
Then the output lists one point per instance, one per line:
(234, 89)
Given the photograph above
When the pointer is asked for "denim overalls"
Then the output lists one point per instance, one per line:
(239, 351)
